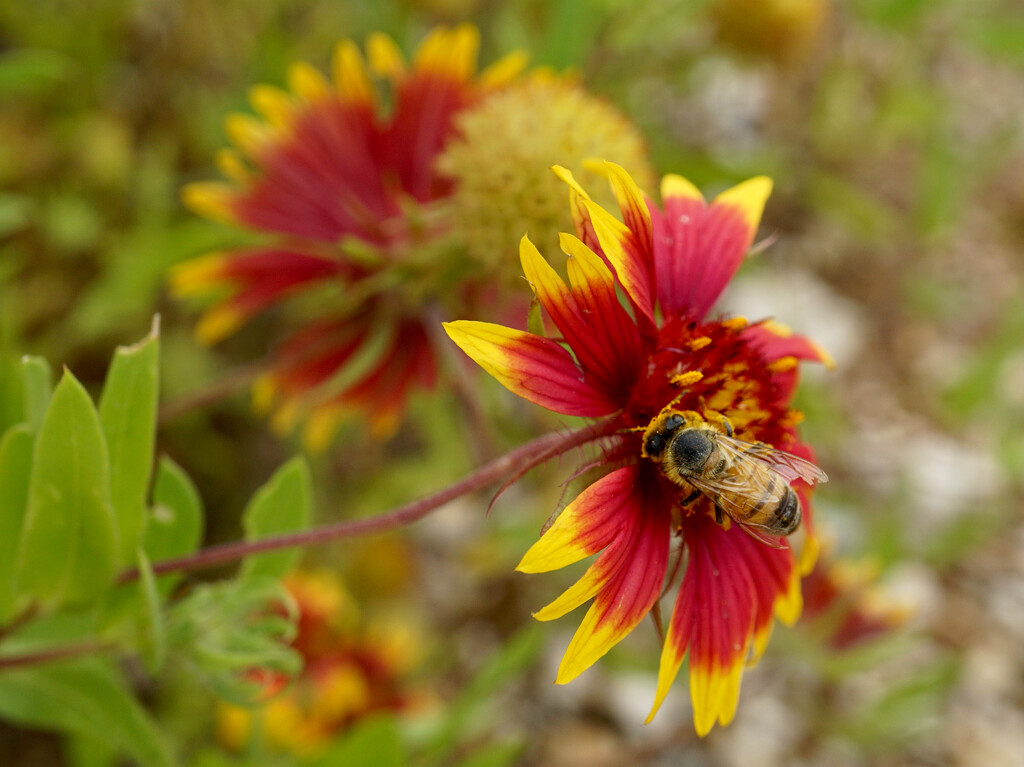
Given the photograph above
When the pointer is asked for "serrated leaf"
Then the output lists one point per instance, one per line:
(15, 466)
(153, 629)
(280, 506)
(373, 743)
(37, 388)
(175, 526)
(128, 415)
(85, 697)
(69, 539)
(228, 630)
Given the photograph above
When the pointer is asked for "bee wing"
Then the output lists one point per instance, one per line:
(788, 465)
(724, 492)
(727, 492)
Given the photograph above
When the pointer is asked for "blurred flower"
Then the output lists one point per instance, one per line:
(502, 156)
(346, 185)
(368, 229)
(349, 673)
(627, 365)
(844, 598)
(784, 31)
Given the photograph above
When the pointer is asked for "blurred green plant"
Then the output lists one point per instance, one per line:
(75, 512)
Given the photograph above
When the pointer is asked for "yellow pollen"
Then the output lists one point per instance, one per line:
(735, 323)
(696, 344)
(687, 378)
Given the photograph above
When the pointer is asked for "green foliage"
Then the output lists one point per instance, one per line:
(128, 414)
(175, 524)
(86, 697)
(37, 387)
(67, 553)
(151, 619)
(280, 506)
(373, 743)
(15, 465)
(224, 630)
(74, 488)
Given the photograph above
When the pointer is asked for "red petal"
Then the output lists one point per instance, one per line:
(535, 368)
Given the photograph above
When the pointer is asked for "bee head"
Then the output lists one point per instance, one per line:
(654, 446)
(691, 449)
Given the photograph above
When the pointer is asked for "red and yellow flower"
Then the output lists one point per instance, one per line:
(633, 336)
(343, 178)
(847, 603)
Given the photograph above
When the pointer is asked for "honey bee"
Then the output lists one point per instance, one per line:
(748, 481)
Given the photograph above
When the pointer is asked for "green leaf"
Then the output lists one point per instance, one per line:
(373, 743)
(175, 526)
(83, 697)
(154, 632)
(37, 385)
(69, 541)
(11, 408)
(15, 466)
(280, 506)
(128, 414)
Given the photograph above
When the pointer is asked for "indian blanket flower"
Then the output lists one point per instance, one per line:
(367, 239)
(633, 337)
(345, 186)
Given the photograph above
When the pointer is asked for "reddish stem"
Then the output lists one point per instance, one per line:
(515, 462)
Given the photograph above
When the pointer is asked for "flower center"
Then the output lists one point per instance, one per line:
(713, 369)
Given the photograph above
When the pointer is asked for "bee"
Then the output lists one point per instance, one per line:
(747, 481)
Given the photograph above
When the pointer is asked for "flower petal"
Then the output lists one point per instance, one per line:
(535, 368)
(632, 569)
(637, 270)
(776, 341)
(585, 526)
(699, 247)
(256, 278)
(577, 323)
(732, 588)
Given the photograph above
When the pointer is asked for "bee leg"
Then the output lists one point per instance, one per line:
(690, 498)
(719, 514)
(722, 421)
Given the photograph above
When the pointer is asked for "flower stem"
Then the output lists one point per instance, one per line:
(515, 462)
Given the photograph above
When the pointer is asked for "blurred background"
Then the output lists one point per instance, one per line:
(893, 130)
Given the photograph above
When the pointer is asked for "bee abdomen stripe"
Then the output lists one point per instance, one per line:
(764, 498)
